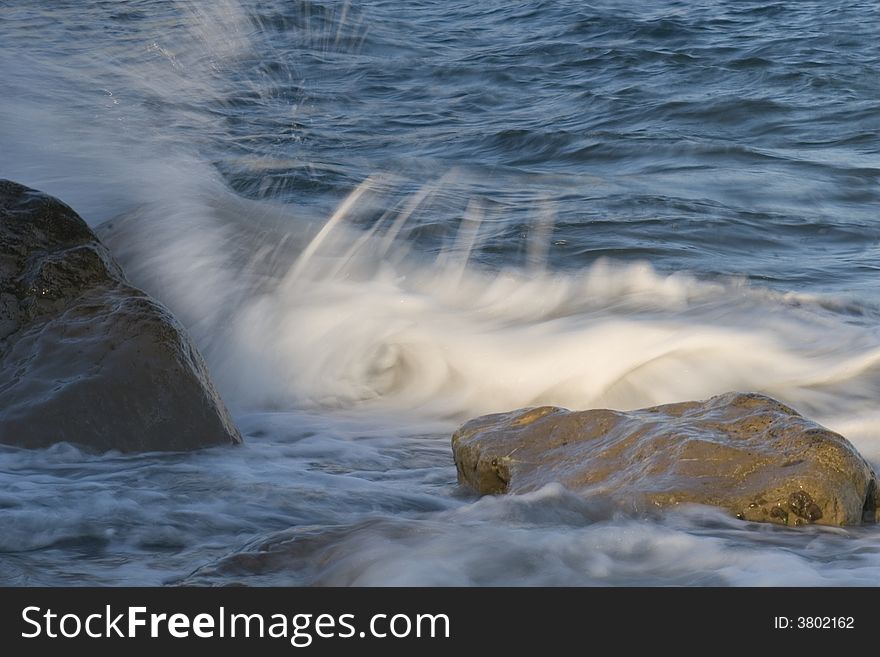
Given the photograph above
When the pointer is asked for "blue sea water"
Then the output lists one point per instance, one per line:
(379, 219)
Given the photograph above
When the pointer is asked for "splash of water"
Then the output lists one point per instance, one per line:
(374, 326)
(355, 318)
(355, 312)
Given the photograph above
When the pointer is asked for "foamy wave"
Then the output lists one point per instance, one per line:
(350, 319)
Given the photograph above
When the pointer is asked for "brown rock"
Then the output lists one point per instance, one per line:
(84, 356)
(747, 453)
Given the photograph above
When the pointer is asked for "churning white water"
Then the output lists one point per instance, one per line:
(352, 327)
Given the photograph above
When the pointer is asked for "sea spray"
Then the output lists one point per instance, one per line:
(580, 204)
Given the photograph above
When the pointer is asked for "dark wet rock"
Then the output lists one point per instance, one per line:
(747, 453)
(84, 356)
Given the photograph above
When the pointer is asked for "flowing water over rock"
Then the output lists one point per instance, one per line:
(746, 453)
(380, 219)
(86, 358)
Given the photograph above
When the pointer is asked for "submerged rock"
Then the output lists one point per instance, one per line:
(84, 356)
(747, 453)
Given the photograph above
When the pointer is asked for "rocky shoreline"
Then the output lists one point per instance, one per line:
(89, 359)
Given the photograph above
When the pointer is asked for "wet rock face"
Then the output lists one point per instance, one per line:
(85, 357)
(744, 452)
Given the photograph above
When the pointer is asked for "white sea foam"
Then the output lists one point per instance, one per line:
(289, 323)
(349, 355)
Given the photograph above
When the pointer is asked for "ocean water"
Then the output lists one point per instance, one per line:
(381, 218)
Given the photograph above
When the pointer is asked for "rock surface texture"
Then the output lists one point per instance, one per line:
(84, 356)
(744, 452)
